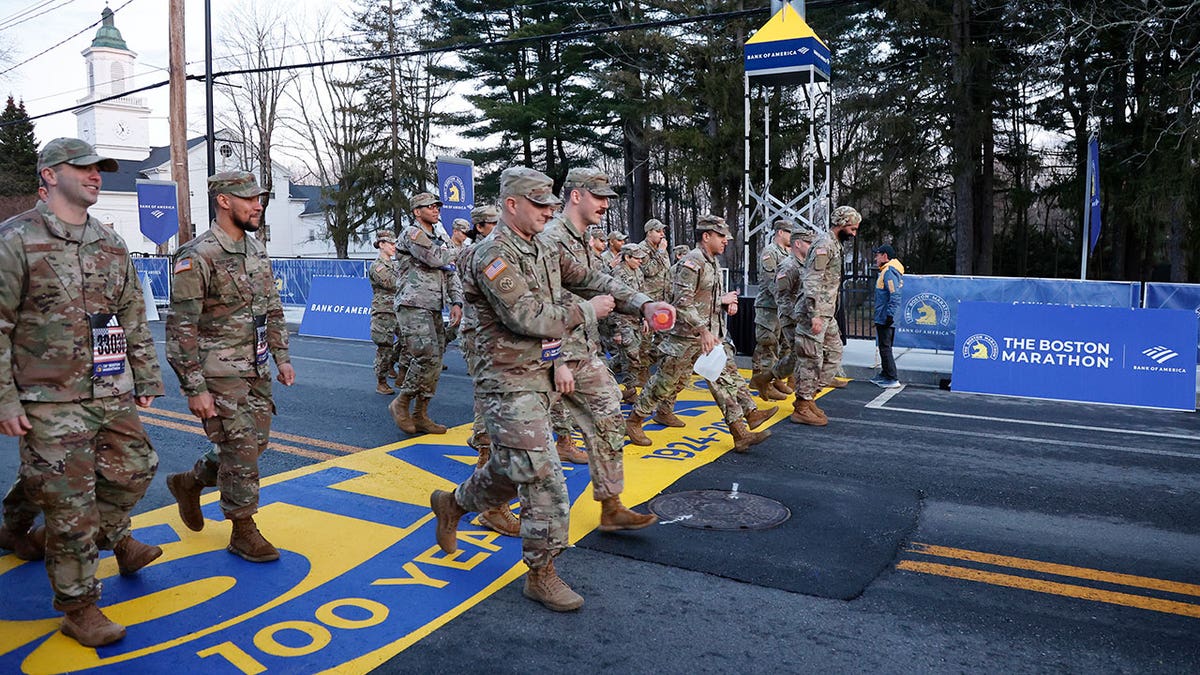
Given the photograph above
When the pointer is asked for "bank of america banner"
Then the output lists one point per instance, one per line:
(158, 272)
(293, 276)
(929, 304)
(1138, 357)
(1174, 296)
(158, 210)
(456, 182)
(338, 307)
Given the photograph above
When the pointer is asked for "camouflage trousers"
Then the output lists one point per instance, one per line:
(19, 509)
(423, 339)
(383, 334)
(85, 465)
(240, 433)
(786, 364)
(766, 339)
(562, 422)
(632, 355)
(595, 406)
(523, 463)
(729, 390)
(471, 356)
(818, 358)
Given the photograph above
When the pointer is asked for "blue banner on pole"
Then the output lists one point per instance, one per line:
(1093, 194)
(1175, 296)
(929, 304)
(158, 271)
(1139, 357)
(293, 276)
(456, 182)
(158, 210)
(338, 307)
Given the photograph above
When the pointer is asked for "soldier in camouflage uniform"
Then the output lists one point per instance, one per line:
(428, 283)
(383, 309)
(818, 340)
(787, 289)
(612, 255)
(677, 254)
(699, 295)
(524, 315)
(629, 332)
(766, 314)
(588, 389)
(483, 218)
(225, 321)
(460, 230)
(77, 357)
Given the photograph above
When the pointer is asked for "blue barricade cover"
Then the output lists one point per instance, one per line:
(338, 307)
(929, 304)
(1174, 296)
(293, 276)
(158, 270)
(1127, 356)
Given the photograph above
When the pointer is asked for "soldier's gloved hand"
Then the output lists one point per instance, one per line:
(603, 304)
(16, 426)
(287, 374)
(202, 405)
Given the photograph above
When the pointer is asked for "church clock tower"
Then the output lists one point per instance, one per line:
(117, 128)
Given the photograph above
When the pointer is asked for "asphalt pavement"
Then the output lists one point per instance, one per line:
(1044, 537)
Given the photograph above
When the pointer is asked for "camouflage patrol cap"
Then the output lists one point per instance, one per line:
(597, 232)
(783, 224)
(461, 224)
(588, 178)
(236, 183)
(804, 234)
(74, 152)
(422, 199)
(710, 223)
(679, 250)
(519, 181)
(654, 224)
(634, 251)
(617, 235)
(384, 236)
(846, 215)
(485, 214)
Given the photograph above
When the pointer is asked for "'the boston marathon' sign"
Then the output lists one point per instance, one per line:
(786, 51)
(1139, 357)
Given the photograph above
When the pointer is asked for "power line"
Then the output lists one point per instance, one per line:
(9, 23)
(57, 45)
(38, 4)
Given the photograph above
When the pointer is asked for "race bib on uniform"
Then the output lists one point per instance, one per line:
(551, 349)
(260, 339)
(108, 345)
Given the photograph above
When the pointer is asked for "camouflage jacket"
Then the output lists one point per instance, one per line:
(820, 277)
(787, 288)
(225, 311)
(656, 274)
(466, 279)
(426, 270)
(50, 282)
(607, 257)
(768, 265)
(696, 290)
(525, 311)
(633, 279)
(383, 286)
(584, 340)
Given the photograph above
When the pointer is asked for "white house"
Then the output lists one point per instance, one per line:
(119, 129)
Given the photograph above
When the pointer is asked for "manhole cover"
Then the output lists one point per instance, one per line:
(719, 510)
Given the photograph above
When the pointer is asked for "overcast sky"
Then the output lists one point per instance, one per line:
(58, 78)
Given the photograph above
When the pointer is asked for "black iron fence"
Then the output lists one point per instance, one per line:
(856, 313)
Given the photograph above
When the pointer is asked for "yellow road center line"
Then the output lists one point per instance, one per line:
(1052, 587)
(278, 447)
(315, 442)
(1054, 568)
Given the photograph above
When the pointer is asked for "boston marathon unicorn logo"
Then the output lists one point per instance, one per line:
(980, 346)
(454, 191)
(927, 309)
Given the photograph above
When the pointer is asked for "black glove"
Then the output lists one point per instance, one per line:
(889, 321)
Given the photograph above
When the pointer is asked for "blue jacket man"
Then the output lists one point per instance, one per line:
(887, 307)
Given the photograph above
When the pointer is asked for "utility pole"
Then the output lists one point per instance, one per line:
(178, 120)
(210, 136)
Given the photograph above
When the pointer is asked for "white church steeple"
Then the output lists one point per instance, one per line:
(118, 128)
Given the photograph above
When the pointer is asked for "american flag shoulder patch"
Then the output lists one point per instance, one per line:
(690, 264)
(183, 265)
(495, 268)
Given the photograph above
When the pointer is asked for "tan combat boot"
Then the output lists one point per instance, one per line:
(447, 510)
(543, 585)
(614, 516)
(743, 438)
(762, 382)
(248, 543)
(633, 429)
(783, 386)
(759, 415)
(383, 388)
(29, 545)
(666, 417)
(421, 419)
(819, 411)
(186, 490)
(483, 445)
(132, 555)
(399, 409)
(568, 453)
(806, 412)
(90, 628)
(838, 384)
(501, 519)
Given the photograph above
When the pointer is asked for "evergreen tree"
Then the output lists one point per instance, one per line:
(18, 152)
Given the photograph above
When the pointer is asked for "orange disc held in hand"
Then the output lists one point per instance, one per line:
(662, 319)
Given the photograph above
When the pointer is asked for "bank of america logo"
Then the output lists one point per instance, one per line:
(1160, 354)
(157, 214)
